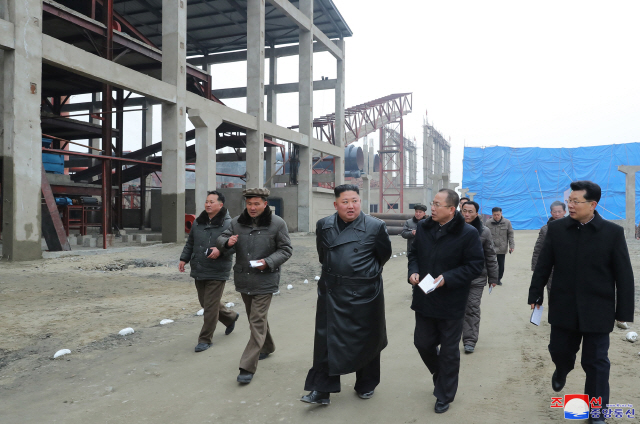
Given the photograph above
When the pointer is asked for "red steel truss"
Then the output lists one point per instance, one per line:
(364, 119)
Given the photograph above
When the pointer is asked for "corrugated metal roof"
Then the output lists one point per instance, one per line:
(215, 26)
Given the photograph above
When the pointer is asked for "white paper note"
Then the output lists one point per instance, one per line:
(428, 284)
(536, 315)
(490, 288)
(255, 264)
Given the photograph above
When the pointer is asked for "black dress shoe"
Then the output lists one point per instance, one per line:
(441, 407)
(263, 356)
(557, 383)
(200, 347)
(315, 396)
(230, 328)
(366, 395)
(245, 376)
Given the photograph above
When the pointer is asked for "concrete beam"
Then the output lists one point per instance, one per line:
(305, 120)
(65, 56)
(293, 13)
(630, 199)
(239, 92)
(7, 35)
(241, 56)
(330, 45)
(206, 131)
(255, 91)
(174, 31)
(21, 133)
(227, 114)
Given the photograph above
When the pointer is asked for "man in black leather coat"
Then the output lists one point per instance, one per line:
(350, 323)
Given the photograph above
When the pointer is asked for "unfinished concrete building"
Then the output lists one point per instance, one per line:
(142, 52)
(436, 164)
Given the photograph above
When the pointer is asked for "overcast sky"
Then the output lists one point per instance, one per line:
(509, 73)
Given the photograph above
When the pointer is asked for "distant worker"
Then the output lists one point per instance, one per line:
(209, 267)
(558, 211)
(502, 235)
(489, 275)
(463, 200)
(592, 287)
(350, 330)
(262, 244)
(409, 229)
(450, 251)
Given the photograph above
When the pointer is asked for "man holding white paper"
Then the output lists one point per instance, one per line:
(262, 245)
(448, 249)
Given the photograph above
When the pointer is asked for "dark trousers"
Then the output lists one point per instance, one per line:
(563, 346)
(209, 295)
(500, 258)
(367, 378)
(443, 363)
(260, 340)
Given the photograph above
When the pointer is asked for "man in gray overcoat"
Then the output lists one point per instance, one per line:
(350, 322)
(471, 324)
(409, 229)
(503, 239)
(261, 237)
(210, 268)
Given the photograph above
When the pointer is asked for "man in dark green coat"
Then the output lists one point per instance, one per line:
(350, 322)
(210, 268)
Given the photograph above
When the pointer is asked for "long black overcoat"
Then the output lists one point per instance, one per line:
(453, 251)
(350, 320)
(590, 263)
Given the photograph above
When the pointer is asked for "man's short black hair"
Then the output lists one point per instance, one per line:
(452, 197)
(496, 209)
(558, 203)
(592, 191)
(465, 198)
(217, 193)
(345, 187)
(474, 204)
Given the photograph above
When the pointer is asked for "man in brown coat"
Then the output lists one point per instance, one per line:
(558, 210)
(471, 324)
(502, 235)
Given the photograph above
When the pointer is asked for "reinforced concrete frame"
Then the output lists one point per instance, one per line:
(25, 49)
(436, 164)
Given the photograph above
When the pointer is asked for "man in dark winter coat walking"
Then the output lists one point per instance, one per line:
(409, 229)
(471, 326)
(558, 211)
(350, 321)
(262, 244)
(449, 250)
(592, 287)
(210, 268)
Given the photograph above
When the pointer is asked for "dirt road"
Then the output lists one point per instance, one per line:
(81, 303)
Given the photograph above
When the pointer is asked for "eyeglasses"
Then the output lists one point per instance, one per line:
(574, 202)
(438, 205)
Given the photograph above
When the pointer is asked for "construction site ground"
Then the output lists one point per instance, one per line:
(81, 300)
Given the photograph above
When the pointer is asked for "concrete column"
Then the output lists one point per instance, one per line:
(463, 192)
(470, 195)
(413, 164)
(255, 91)
(305, 118)
(272, 113)
(96, 100)
(174, 29)
(147, 124)
(339, 122)
(22, 143)
(206, 130)
(630, 197)
(366, 194)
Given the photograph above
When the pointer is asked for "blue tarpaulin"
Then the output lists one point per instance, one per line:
(525, 181)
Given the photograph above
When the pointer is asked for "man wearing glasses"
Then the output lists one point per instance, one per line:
(592, 287)
(449, 250)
